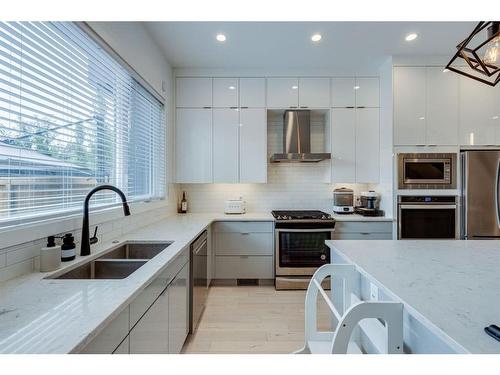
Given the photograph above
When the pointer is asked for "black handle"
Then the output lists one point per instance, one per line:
(94, 238)
(494, 331)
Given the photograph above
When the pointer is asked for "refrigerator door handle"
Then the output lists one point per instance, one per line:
(496, 193)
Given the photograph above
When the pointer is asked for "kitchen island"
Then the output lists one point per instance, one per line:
(450, 289)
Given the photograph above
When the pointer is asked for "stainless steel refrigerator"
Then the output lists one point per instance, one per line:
(480, 213)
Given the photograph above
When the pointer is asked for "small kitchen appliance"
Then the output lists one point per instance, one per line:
(343, 201)
(427, 171)
(235, 206)
(369, 202)
(300, 246)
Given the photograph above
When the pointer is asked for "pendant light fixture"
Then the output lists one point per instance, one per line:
(481, 51)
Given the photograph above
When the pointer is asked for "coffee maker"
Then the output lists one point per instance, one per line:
(369, 203)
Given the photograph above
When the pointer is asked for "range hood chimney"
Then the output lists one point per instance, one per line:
(297, 139)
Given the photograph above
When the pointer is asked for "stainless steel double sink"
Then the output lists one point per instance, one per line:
(117, 263)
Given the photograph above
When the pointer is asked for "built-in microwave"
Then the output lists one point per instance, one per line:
(427, 171)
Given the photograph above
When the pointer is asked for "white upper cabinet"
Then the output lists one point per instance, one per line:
(367, 92)
(283, 92)
(253, 145)
(479, 113)
(252, 92)
(193, 145)
(442, 107)
(225, 149)
(343, 145)
(225, 92)
(367, 145)
(342, 92)
(314, 92)
(409, 105)
(193, 92)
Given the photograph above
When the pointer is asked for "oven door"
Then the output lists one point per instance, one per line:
(427, 221)
(301, 251)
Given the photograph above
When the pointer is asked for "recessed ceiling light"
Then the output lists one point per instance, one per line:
(411, 37)
(295, 87)
(356, 87)
(232, 88)
(221, 37)
(494, 118)
(316, 37)
(446, 70)
(421, 118)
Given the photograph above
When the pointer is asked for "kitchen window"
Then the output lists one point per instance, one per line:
(72, 117)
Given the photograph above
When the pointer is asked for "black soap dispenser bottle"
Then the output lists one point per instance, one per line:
(68, 248)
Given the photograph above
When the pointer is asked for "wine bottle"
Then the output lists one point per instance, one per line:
(184, 203)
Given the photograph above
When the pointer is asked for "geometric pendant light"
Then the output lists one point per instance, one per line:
(481, 53)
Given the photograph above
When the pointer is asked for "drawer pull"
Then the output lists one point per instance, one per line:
(243, 256)
(244, 233)
(365, 233)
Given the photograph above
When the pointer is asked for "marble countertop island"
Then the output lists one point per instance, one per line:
(451, 286)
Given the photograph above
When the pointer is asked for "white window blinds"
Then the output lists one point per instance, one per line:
(71, 117)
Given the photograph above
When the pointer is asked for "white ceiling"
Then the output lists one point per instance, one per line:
(267, 45)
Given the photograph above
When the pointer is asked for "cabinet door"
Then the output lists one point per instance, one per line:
(225, 92)
(124, 347)
(253, 145)
(342, 92)
(225, 149)
(178, 293)
(367, 145)
(193, 147)
(343, 145)
(150, 334)
(253, 92)
(109, 339)
(193, 92)
(314, 92)
(442, 107)
(367, 92)
(409, 105)
(479, 111)
(282, 92)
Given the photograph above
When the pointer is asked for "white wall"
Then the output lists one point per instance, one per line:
(19, 247)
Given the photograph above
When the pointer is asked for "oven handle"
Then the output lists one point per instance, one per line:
(496, 193)
(305, 230)
(427, 206)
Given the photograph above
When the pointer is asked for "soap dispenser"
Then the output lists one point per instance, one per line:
(50, 256)
(68, 248)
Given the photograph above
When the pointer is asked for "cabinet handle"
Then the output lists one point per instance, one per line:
(304, 106)
(243, 107)
(244, 233)
(207, 107)
(233, 107)
(351, 106)
(364, 233)
(293, 106)
(243, 256)
(361, 106)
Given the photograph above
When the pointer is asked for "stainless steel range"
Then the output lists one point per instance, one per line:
(300, 246)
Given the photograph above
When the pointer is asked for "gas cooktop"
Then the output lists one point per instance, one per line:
(301, 215)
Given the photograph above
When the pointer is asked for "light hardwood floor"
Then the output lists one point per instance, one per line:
(252, 319)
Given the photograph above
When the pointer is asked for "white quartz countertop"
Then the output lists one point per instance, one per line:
(453, 285)
(40, 315)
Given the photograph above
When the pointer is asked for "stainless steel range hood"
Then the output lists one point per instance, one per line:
(297, 139)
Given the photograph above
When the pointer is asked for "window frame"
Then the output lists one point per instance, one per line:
(71, 220)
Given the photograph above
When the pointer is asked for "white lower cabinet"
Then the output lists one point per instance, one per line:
(362, 230)
(178, 311)
(124, 347)
(109, 339)
(244, 250)
(150, 334)
(156, 322)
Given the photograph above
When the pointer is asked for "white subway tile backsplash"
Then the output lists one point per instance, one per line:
(16, 269)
